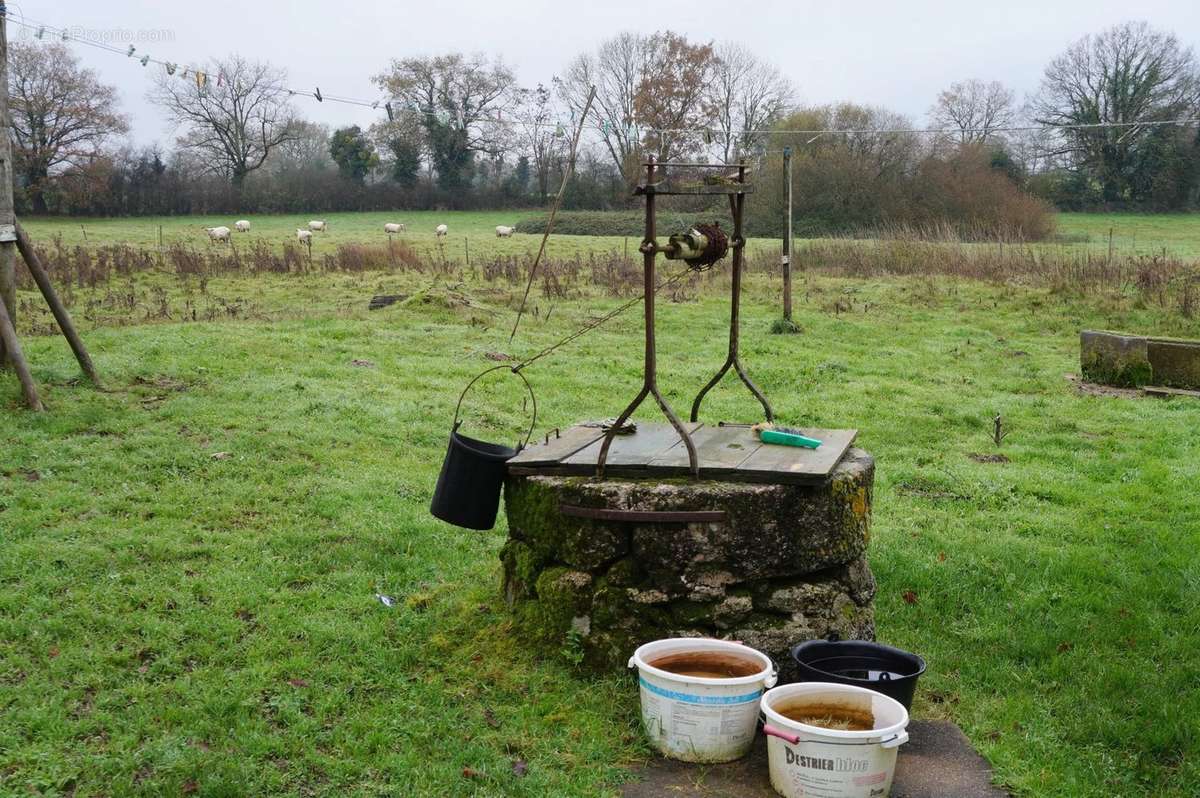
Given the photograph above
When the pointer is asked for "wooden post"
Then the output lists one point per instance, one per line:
(467, 250)
(12, 348)
(787, 234)
(56, 306)
(8, 235)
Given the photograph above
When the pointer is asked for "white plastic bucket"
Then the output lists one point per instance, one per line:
(698, 719)
(813, 762)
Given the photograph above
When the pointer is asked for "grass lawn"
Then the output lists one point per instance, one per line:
(191, 559)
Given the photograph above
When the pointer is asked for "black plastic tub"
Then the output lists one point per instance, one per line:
(860, 663)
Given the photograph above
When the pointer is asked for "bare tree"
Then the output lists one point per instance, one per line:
(650, 94)
(458, 99)
(974, 109)
(61, 115)
(234, 113)
(1127, 74)
(537, 135)
(617, 70)
(746, 96)
(307, 148)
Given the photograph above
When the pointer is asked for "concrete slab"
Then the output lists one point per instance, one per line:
(937, 762)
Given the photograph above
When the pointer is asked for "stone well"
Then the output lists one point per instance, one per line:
(787, 564)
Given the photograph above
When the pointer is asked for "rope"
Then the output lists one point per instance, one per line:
(562, 189)
(597, 322)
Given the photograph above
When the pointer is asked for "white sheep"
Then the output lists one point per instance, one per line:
(304, 236)
(316, 226)
(242, 226)
(217, 233)
(441, 230)
(390, 228)
(505, 232)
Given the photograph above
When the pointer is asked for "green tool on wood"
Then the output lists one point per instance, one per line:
(784, 436)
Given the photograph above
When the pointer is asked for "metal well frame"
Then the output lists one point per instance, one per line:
(736, 188)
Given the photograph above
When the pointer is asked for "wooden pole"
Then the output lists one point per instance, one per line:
(25, 246)
(787, 234)
(12, 348)
(8, 252)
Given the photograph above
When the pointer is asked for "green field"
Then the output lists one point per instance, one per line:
(473, 232)
(191, 558)
(1175, 233)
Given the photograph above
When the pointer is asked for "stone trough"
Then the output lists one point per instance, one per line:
(1136, 361)
(771, 560)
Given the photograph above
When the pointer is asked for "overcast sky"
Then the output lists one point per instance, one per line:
(896, 54)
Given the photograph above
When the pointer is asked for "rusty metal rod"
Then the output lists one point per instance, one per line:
(25, 246)
(650, 370)
(645, 516)
(737, 206)
(681, 164)
(12, 348)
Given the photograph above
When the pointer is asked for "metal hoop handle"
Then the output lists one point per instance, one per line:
(528, 387)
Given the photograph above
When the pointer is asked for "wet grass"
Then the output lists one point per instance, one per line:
(191, 560)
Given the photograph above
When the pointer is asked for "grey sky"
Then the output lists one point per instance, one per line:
(897, 54)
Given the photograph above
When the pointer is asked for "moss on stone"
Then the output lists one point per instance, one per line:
(521, 565)
(534, 517)
(563, 595)
(1115, 359)
(1175, 363)
(624, 572)
(787, 566)
(693, 613)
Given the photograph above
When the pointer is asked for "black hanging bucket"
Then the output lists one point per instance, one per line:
(468, 488)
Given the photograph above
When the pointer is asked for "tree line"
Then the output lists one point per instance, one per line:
(458, 131)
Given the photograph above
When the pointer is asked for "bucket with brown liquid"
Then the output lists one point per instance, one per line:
(829, 740)
(700, 697)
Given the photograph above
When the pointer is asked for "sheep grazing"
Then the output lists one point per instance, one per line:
(242, 226)
(505, 232)
(441, 230)
(304, 236)
(393, 228)
(217, 233)
(316, 227)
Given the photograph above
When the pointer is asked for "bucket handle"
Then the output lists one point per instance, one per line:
(528, 387)
(771, 731)
(773, 678)
(894, 741)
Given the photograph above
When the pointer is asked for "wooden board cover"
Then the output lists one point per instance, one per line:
(793, 463)
(720, 449)
(726, 453)
(541, 452)
(637, 449)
